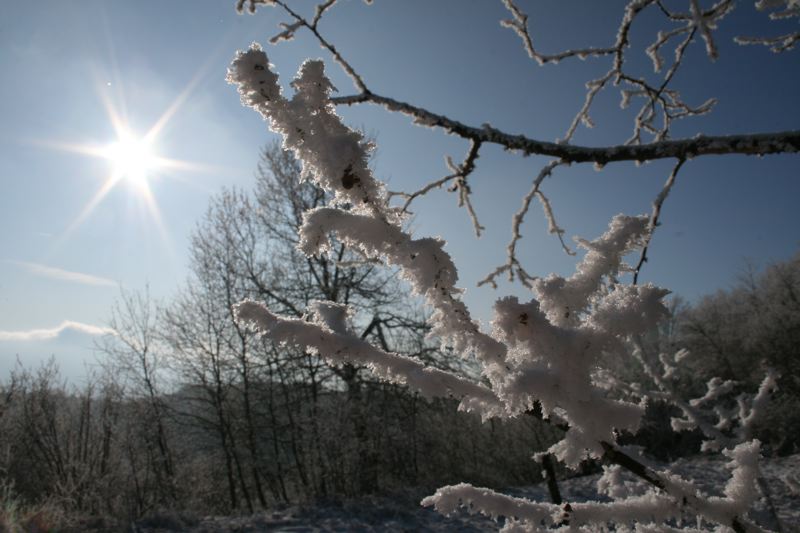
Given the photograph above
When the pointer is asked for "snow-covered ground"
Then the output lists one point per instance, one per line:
(401, 513)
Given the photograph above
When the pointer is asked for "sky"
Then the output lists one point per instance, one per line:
(73, 68)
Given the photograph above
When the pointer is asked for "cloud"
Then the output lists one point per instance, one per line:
(66, 329)
(64, 275)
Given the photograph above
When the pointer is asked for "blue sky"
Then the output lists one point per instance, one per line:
(62, 60)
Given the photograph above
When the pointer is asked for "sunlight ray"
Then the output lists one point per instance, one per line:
(181, 164)
(173, 108)
(155, 215)
(116, 120)
(101, 193)
(93, 150)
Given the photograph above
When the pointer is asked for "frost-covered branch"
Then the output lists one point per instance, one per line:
(751, 411)
(539, 352)
(423, 263)
(519, 25)
(299, 21)
(700, 145)
(334, 156)
(781, 9)
(512, 267)
(778, 44)
(459, 176)
(671, 502)
(327, 334)
(669, 100)
(555, 341)
(723, 428)
(700, 412)
(654, 217)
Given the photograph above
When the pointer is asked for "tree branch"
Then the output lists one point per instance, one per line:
(701, 145)
(659, 201)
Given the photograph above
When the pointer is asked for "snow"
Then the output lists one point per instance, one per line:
(400, 511)
(327, 335)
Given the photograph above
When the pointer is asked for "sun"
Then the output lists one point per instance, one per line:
(132, 159)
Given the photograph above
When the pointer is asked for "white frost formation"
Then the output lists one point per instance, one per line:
(539, 355)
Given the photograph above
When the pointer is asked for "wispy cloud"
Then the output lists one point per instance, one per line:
(64, 275)
(65, 328)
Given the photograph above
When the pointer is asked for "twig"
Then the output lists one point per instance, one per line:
(516, 222)
(312, 27)
(520, 26)
(459, 177)
(657, 203)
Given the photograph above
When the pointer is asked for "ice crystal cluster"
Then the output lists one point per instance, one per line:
(540, 355)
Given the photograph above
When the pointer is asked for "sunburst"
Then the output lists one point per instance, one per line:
(133, 159)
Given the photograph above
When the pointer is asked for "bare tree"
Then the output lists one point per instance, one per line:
(737, 333)
(135, 354)
(245, 247)
(62, 444)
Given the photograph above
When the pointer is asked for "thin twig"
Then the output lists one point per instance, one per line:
(459, 176)
(312, 27)
(654, 216)
(512, 263)
(520, 26)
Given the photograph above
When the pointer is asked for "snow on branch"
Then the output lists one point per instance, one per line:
(564, 299)
(333, 155)
(422, 262)
(339, 347)
(780, 10)
(652, 508)
(700, 145)
(534, 516)
(721, 426)
(556, 340)
(750, 411)
(741, 490)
